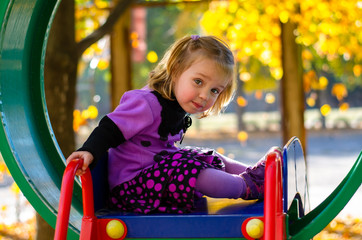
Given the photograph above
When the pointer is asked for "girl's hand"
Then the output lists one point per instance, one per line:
(87, 159)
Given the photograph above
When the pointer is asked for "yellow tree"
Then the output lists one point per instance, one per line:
(322, 29)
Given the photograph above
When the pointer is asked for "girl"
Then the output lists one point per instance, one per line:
(147, 171)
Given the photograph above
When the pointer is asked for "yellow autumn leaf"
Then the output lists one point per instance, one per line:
(242, 102)
(258, 94)
(152, 57)
(244, 76)
(323, 82)
(311, 102)
(2, 167)
(339, 90)
(93, 112)
(284, 16)
(277, 73)
(220, 150)
(344, 107)
(85, 114)
(15, 189)
(269, 98)
(101, 3)
(243, 136)
(325, 109)
(103, 64)
(357, 70)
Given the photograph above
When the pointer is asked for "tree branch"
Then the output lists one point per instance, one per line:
(117, 11)
(107, 27)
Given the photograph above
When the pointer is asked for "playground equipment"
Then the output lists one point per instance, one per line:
(36, 163)
(216, 219)
(284, 214)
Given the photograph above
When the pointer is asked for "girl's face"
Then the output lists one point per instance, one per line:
(198, 87)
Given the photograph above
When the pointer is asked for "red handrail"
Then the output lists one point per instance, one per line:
(65, 202)
(89, 220)
(273, 203)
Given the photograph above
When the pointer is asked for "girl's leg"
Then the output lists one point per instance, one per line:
(232, 166)
(237, 181)
(219, 184)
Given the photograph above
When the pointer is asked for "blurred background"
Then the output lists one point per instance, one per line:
(299, 72)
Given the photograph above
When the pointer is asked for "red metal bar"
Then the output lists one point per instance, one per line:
(87, 191)
(65, 200)
(89, 220)
(273, 206)
(270, 198)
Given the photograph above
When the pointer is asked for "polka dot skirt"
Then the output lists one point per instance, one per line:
(168, 186)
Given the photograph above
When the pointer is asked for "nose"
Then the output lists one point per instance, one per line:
(204, 95)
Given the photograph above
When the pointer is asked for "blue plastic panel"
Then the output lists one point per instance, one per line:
(294, 175)
(225, 223)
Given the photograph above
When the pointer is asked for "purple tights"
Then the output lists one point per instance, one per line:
(219, 184)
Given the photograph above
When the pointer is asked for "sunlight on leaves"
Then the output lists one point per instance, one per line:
(18, 230)
(270, 98)
(242, 102)
(243, 136)
(152, 57)
(357, 70)
(344, 107)
(326, 30)
(220, 150)
(15, 189)
(325, 109)
(342, 229)
(80, 118)
(310, 102)
(339, 90)
(103, 64)
(258, 94)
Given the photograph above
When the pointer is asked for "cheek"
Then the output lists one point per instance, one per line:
(210, 103)
(183, 96)
(188, 93)
(188, 96)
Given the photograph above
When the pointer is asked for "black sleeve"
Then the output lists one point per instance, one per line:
(106, 135)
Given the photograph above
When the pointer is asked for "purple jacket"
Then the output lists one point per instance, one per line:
(150, 124)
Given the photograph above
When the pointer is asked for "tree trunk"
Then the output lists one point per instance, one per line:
(120, 59)
(292, 92)
(43, 230)
(59, 82)
(60, 75)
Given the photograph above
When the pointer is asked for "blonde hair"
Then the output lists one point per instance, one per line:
(179, 57)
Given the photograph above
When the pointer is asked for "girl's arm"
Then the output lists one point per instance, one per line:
(103, 137)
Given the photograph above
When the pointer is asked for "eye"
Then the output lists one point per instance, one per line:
(198, 81)
(215, 91)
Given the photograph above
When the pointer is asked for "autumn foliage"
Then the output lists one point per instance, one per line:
(328, 32)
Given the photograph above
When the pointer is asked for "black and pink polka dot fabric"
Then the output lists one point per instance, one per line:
(168, 186)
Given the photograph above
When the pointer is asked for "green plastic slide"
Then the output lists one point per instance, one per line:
(27, 142)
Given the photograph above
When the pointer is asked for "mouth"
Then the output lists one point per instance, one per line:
(197, 106)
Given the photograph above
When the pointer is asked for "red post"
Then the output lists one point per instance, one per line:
(273, 203)
(65, 200)
(89, 220)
